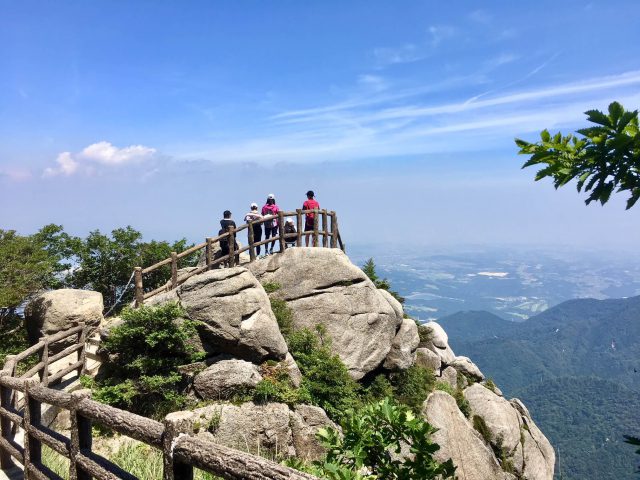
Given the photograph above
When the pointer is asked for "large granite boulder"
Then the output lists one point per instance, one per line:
(270, 428)
(395, 304)
(459, 441)
(498, 414)
(438, 342)
(225, 378)
(234, 313)
(427, 359)
(59, 310)
(465, 366)
(322, 287)
(403, 348)
(306, 420)
(538, 458)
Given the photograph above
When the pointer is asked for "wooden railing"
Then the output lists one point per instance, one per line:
(181, 452)
(325, 233)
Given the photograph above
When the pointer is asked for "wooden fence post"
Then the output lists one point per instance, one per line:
(334, 240)
(299, 227)
(139, 291)
(252, 249)
(6, 428)
(208, 253)
(232, 247)
(32, 419)
(82, 353)
(44, 358)
(283, 243)
(81, 439)
(174, 270)
(325, 238)
(173, 469)
(315, 227)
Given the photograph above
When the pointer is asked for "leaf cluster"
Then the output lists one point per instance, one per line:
(372, 442)
(144, 353)
(325, 377)
(603, 158)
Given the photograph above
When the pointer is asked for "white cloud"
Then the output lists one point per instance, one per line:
(103, 153)
(406, 53)
(66, 166)
(107, 154)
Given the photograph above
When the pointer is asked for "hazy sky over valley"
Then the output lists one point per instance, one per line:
(163, 114)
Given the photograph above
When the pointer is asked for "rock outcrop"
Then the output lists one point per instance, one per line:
(225, 378)
(459, 441)
(403, 347)
(58, 310)
(271, 428)
(234, 313)
(323, 287)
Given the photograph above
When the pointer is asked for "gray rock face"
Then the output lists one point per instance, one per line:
(439, 343)
(429, 360)
(403, 348)
(235, 313)
(499, 415)
(59, 310)
(538, 455)
(322, 286)
(225, 378)
(459, 441)
(270, 428)
(305, 422)
(450, 376)
(465, 366)
(395, 304)
(295, 375)
(512, 429)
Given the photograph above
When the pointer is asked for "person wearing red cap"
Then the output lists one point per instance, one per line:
(309, 204)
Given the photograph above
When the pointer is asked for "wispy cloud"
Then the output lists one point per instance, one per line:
(100, 153)
(395, 122)
(414, 51)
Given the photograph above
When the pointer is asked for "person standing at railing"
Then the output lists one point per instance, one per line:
(309, 204)
(270, 210)
(226, 221)
(254, 216)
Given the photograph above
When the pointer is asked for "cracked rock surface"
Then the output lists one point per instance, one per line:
(323, 287)
(235, 314)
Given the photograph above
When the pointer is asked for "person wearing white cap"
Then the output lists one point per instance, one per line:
(253, 216)
(271, 210)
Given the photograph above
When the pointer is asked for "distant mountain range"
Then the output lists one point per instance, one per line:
(577, 365)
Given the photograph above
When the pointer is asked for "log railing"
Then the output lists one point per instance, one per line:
(181, 452)
(325, 234)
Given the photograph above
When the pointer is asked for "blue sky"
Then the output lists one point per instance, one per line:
(399, 114)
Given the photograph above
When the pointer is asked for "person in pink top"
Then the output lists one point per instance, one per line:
(309, 204)
(271, 226)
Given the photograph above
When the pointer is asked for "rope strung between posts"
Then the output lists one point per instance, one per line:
(124, 290)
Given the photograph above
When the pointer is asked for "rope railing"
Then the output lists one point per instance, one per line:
(325, 234)
(181, 451)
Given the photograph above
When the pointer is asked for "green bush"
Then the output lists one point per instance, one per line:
(490, 385)
(412, 386)
(144, 353)
(370, 435)
(271, 287)
(276, 386)
(283, 314)
(325, 377)
(379, 388)
(481, 427)
(425, 333)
